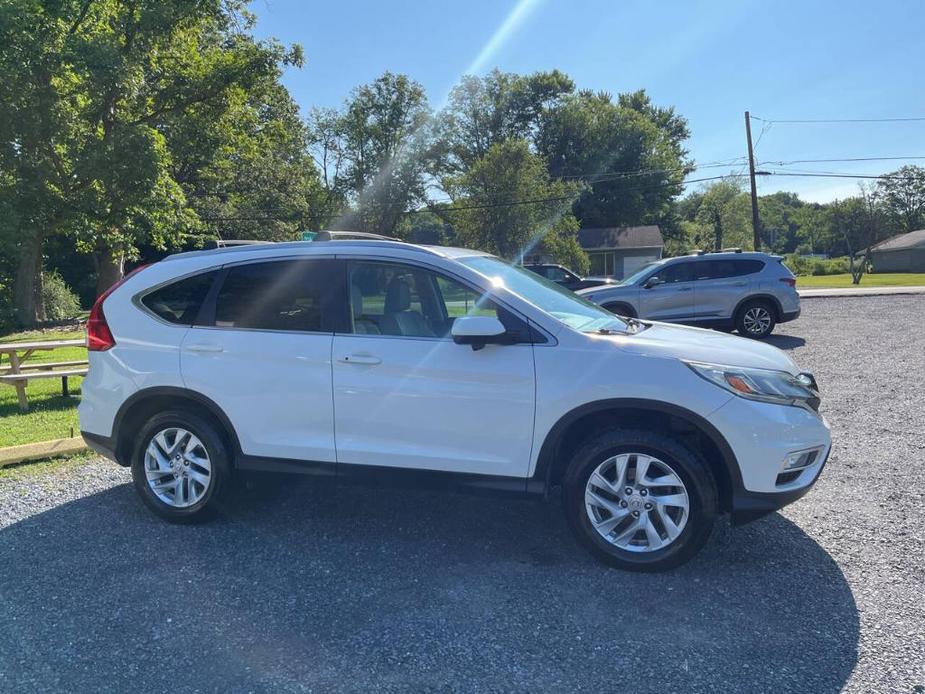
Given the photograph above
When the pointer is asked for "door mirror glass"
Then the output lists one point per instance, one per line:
(652, 282)
(479, 331)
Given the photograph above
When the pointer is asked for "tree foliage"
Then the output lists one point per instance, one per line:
(88, 92)
(507, 204)
(489, 110)
(630, 152)
(376, 153)
(901, 196)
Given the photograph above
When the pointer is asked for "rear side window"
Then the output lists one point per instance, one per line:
(720, 269)
(179, 302)
(283, 295)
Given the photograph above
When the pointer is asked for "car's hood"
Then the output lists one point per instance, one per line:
(698, 344)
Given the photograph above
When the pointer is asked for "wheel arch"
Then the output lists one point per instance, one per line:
(149, 401)
(769, 298)
(573, 428)
(631, 311)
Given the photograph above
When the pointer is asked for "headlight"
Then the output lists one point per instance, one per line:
(764, 385)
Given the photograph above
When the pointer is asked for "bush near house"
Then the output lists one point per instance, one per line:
(802, 266)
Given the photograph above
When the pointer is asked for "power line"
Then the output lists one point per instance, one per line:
(841, 120)
(764, 129)
(820, 174)
(512, 203)
(604, 175)
(829, 161)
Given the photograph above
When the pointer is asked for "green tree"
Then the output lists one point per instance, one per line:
(86, 90)
(244, 165)
(508, 205)
(860, 222)
(723, 217)
(780, 220)
(902, 195)
(377, 154)
(630, 152)
(484, 111)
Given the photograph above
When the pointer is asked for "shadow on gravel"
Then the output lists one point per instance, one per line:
(301, 585)
(785, 341)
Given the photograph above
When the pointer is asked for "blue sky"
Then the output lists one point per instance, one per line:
(781, 59)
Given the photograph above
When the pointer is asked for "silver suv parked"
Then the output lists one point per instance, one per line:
(750, 292)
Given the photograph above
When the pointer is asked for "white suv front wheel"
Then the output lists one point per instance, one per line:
(640, 500)
(180, 466)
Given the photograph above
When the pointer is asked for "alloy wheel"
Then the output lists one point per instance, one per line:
(757, 320)
(177, 467)
(637, 502)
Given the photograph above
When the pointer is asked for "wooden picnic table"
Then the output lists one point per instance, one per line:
(19, 373)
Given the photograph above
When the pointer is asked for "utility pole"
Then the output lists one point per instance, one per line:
(756, 223)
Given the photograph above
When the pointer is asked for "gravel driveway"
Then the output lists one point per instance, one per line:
(307, 587)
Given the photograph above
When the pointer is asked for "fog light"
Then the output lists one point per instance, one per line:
(800, 459)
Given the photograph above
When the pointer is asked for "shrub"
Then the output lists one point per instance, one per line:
(7, 312)
(60, 302)
(803, 265)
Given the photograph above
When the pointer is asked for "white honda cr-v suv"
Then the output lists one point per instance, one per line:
(424, 365)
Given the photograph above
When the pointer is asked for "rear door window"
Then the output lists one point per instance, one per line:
(179, 302)
(292, 295)
(678, 272)
(721, 269)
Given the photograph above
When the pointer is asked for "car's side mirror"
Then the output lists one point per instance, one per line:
(479, 331)
(652, 282)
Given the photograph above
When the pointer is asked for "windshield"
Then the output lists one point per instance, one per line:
(636, 276)
(561, 304)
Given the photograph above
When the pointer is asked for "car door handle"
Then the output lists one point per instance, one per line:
(739, 284)
(368, 359)
(205, 347)
(685, 289)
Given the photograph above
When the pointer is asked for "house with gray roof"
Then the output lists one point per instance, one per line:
(620, 251)
(614, 251)
(902, 253)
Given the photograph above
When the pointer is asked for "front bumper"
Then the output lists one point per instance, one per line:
(761, 436)
(748, 506)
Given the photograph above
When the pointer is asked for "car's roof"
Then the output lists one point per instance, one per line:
(331, 247)
(721, 255)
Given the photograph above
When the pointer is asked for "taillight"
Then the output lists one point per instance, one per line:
(792, 281)
(99, 336)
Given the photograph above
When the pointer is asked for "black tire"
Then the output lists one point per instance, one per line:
(685, 462)
(620, 309)
(216, 449)
(765, 310)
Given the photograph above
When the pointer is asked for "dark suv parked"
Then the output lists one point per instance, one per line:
(566, 278)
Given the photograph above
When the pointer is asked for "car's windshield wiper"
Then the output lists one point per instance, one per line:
(632, 322)
(633, 326)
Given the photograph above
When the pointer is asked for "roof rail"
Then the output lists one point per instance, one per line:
(697, 251)
(734, 249)
(230, 243)
(347, 235)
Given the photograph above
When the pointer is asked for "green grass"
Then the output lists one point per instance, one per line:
(886, 279)
(57, 466)
(50, 415)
